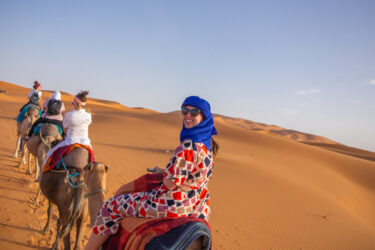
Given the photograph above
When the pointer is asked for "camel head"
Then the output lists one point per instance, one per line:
(96, 176)
(96, 179)
(33, 113)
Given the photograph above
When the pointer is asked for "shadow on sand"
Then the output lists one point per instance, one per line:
(18, 190)
(11, 179)
(19, 244)
(13, 199)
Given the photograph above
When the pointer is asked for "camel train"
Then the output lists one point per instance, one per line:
(77, 187)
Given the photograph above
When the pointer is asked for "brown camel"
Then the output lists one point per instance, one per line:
(69, 195)
(39, 145)
(23, 128)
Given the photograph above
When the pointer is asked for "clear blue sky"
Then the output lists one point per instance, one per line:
(304, 65)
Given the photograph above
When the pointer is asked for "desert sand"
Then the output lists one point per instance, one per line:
(272, 188)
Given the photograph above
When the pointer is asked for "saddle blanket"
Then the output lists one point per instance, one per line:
(61, 152)
(37, 128)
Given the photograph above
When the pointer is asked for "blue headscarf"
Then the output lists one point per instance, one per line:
(204, 130)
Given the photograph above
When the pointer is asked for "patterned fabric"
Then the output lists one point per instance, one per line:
(190, 169)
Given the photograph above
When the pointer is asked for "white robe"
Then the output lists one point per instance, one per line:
(77, 123)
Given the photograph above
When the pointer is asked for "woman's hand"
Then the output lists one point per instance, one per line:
(169, 184)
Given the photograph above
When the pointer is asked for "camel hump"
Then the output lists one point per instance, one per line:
(50, 130)
(78, 158)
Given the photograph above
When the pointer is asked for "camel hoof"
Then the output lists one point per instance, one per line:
(15, 156)
(28, 172)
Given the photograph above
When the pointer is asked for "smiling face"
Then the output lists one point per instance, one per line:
(189, 120)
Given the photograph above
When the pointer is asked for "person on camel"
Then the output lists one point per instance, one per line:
(34, 95)
(75, 125)
(183, 192)
(34, 98)
(53, 109)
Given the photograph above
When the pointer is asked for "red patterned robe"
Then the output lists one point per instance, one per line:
(190, 168)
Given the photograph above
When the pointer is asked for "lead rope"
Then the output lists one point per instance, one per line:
(96, 191)
(69, 177)
(43, 140)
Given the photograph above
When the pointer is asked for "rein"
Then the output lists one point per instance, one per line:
(43, 140)
(69, 179)
(96, 191)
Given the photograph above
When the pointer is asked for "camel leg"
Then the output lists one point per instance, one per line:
(36, 167)
(24, 149)
(56, 245)
(15, 155)
(66, 226)
(49, 212)
(23, 160)
(36, 202)
(79, 233)
(28, 171)
(67, 241)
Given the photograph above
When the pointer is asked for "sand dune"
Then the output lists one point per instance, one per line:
(269, 191)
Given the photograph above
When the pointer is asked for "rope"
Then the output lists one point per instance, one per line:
(43, 140)
(69, 177)
(96, 191)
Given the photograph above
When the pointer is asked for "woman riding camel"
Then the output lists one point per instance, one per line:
(53, 109)
(36, 90)
(34, 95)
(75, 125)
(183, 192)
(33, 99)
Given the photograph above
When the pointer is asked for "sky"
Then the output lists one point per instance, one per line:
(302, 65)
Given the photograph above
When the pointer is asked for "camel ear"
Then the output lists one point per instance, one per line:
(106, 168)
(88, 167)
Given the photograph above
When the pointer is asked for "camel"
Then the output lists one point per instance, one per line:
(72, 204)
(69, 195)
(23, 128)
(39, 145)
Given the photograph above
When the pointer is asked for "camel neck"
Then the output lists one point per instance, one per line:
(95, 203)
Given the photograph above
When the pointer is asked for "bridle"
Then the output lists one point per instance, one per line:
(96, 191)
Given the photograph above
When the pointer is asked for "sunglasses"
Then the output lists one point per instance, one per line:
(193, 112)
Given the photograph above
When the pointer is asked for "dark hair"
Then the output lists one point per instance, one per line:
(82, 95)
(214, 147)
